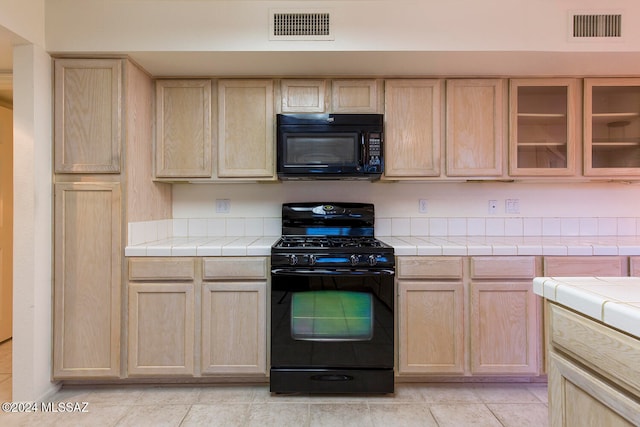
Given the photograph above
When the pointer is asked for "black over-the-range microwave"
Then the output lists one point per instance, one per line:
(330, 146)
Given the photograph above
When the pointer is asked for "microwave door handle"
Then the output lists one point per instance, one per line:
(363, 150)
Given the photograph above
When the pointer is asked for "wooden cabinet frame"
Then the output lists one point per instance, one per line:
(234, 332)
(469, 316)
(617, 114)
(183, 129)
(87, 284)
(592, 371)
(88, 131)
(431, 327)
(197, 317)
(413, 128)
(476, 127)
(161, 330)
(246, 148)
(545, 116)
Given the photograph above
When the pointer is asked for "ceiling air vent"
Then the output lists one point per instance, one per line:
(300, 25)
(597, 26)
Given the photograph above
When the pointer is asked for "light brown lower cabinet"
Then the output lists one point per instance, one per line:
(431, 330)
(197, 317)
(161, 328)
(234, 328)
(87, 280)
(468, 316)
(504, 328)
(593, 372)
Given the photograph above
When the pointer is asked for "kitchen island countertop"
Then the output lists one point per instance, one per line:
(614, 301)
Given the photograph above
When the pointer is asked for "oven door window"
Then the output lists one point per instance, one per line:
(308, 149)
(330, 315)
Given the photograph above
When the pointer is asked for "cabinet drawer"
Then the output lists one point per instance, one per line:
(429, 267)
(607, 351)
(634, 267)
(234, 268)
(585, 266)
(161, 269)
(503, 267)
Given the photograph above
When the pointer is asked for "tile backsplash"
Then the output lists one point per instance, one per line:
(149, 231)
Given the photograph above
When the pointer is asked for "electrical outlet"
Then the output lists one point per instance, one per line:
(223, 205)
(512, 206)
(493, 207)
(422, 206)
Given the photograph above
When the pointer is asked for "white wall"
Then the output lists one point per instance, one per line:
(384, 25)
(371, 37)
(24, 18)
(32, 266)
(579, 200)
(32, 271)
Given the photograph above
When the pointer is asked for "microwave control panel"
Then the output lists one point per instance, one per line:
(374, 152)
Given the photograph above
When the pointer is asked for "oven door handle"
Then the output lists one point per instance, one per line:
(333, 272)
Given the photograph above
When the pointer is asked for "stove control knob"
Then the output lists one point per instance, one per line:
(372, 260)
(293, 260)
(312, 259)
(354, 259)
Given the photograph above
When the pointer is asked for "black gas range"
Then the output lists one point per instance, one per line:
(332, 302)
(330, 235)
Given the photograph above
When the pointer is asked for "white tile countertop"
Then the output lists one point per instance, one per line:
(513, 246)
(205, 246)
(406, 245)
(614, 301)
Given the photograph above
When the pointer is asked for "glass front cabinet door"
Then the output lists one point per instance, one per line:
(543, 131)
(612, 127)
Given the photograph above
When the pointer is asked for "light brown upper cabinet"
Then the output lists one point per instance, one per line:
(543, 127)
(413, 128)
(475, 113)
(612, 127)
(331, 96)
(304, 96)
(183, 128)
(246, 129)
(356, 96)
(88, 115)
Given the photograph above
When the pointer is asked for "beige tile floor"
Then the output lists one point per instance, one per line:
(443, 405)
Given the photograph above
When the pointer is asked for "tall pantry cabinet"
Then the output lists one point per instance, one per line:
(103, 128)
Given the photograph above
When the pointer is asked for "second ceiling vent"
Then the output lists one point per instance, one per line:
(588, 26)
(300, 25)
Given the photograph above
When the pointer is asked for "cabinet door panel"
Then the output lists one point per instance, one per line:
(161, 328)
(303, 96)
(612, 127)
(508, 267)
(431, 327)
(412, 128)
(543, 127)
(355, 96)
(587, 266)
(504, 328)
(234, 337)
(475, 127)
(634, 266)
(183, 128)
(246, 129)
(424, 267)
(88, 115)
(578, 398)
(87, 280)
